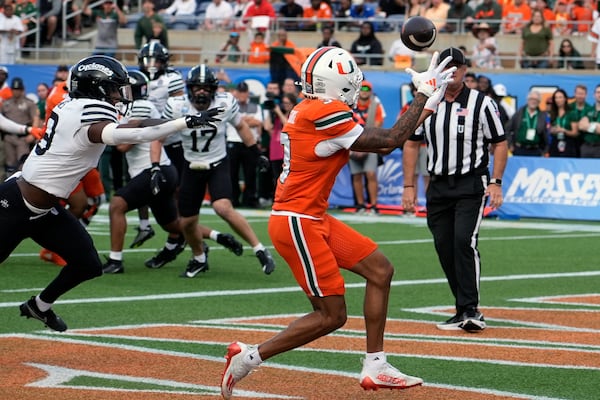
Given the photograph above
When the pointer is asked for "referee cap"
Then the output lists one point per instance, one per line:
(458, 58)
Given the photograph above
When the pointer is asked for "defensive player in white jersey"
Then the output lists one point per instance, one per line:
(76, 134)
(166, 82)
(153, 179)
(153, 61)
(207, 165)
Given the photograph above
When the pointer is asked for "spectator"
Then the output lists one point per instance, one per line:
(180, 7)
(279, 67)
(27, 10)
(241, 158)
(315, 14)
(361, 11)
(363, 165)
(392, 7)
(562, 22)
(582, 15)
(594, 37)
(563, 138)
(579, 108)
(400, 55)
(503, 101)
(327, 36)
(258, 53)
(239, 10)
(437, 12)
(231, 51)
(49, 19)
(42, 94)
(484, 54)
(527, 130)
(589, 125)
(367, 49)
(459, 11)
(218, 15)
(471, 80)
(259, 8)
(488, 11)
(289, 86)
(542, 5)
(290, 10)
(23, 111)
(515, 15)
(144, 30)
(484, 85)
(10, 29)
(108, 18)
(342, 12)
(416, 7)
(568, 56)
(537, 44)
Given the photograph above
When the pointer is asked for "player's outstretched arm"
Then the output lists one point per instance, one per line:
(147, 130)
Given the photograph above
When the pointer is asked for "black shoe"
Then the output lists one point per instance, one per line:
(30, 310)
(142, 236)
(227, 240)
(266, 260)
(194, 267)
(113, 267)
(452, 324)
(164, 256)
(472, 321)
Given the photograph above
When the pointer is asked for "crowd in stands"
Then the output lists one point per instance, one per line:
(537, 22)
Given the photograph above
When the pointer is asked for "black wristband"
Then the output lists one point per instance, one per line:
(155, 165)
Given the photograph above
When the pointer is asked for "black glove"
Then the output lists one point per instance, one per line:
(262, 162)
(156, 178)
(203, 117)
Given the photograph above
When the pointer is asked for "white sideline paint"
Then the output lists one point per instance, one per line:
(62, 338)
(217, 293)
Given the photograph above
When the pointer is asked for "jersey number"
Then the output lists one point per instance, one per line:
(210, 132)
(44, 144)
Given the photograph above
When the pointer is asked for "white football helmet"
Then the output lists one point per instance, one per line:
(331, 73)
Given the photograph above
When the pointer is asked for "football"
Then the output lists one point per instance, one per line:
(418, 33)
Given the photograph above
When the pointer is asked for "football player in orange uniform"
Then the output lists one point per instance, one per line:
(317, 140)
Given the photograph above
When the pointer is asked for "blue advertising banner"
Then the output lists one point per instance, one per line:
(561, 188)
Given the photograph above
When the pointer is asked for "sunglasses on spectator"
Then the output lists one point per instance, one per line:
(365, 89)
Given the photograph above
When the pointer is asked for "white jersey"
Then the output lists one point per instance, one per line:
(65, 153)
(138, 157)
(166, 85)
(205, 144)
(159, 91)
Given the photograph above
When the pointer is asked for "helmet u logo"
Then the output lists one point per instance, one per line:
(341, 68)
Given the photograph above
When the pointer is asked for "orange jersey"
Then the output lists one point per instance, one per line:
(258, 53)
(56, 95)
(312, 160)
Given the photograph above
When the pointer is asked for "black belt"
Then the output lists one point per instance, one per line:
(595, 144)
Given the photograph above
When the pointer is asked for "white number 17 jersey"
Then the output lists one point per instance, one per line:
(205, 144)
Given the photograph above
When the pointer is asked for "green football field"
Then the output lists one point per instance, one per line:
(149, 334)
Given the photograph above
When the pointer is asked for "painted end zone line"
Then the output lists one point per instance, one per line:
(175, 296)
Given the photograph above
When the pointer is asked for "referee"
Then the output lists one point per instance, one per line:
(459, 137)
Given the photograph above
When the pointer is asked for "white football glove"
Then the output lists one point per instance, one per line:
(435, 76)
(435, 99)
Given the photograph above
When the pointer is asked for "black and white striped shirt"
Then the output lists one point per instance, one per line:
(459, 134)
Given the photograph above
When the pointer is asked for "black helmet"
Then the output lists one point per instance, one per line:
(153, 59)
(139, 84)
(203, 76)
(100, 77)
